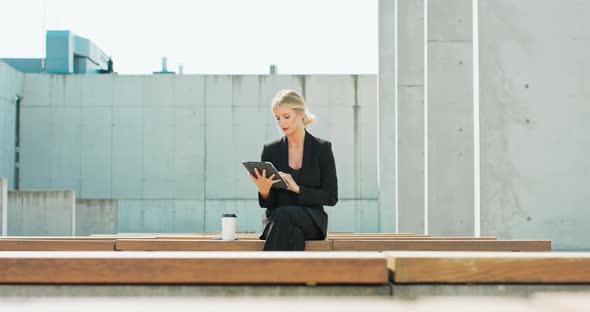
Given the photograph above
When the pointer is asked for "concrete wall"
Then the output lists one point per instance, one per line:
(96, 216)
(3, 205)
(41, 213)
(11, 85)
(169, 148)
(411, 116)
(534, 99)
(450, 118)
(387, 116)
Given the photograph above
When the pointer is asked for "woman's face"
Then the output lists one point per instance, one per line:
(288, 119)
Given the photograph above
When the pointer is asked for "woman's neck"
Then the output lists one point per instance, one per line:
(297, 137)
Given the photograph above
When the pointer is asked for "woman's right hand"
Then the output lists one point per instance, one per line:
(264, 184)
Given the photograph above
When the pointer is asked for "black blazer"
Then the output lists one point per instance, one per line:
(318, 182)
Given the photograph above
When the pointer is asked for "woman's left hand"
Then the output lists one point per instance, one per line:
(292, 186)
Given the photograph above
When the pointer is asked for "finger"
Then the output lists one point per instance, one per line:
(272, 176)
(253, 178)
(257, 173)
(264, 173)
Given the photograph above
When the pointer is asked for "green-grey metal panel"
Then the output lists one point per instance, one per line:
(36, 141)
(189, 216)
(158, 216)
(65, 151)
(96, 216)
(218, 90)
(129, 216)
(366, 138)
(220, 149)
(36, 90)
(368, 215)
(343, 216)
(248, 211)
(158, 152)
(189, 161)
(127, 153)
(96, 152)
(96, 90)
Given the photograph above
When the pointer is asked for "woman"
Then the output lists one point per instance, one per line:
(306, 163)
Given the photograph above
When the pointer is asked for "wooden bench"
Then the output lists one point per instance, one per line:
(350, 238)
(442, 245)
(485, 267)
(56, 245)
(192, 268)
(205, 245)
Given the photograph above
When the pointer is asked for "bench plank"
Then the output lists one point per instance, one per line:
(56, 245)
(442, 245)
(205, 245)
(484, 267)
(192, 268)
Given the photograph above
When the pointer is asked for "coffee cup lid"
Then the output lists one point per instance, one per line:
(229, 215)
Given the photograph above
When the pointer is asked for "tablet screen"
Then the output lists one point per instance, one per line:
(270, 170)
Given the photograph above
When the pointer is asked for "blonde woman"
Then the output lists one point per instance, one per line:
(306, 163)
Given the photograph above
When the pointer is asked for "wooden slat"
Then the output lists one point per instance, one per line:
(205, 245)
(412, 238)
(192, 267)
(45, 238)
(489, 267)
(442, 245)
(56, 245)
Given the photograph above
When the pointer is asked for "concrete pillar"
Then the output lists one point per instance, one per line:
(534, 101)
(411, 115)
(3, 207)
(450, 118)
(387, 119)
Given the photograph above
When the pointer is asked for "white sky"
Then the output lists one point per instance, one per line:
(207, 36)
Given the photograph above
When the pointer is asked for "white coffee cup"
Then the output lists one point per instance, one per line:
(228, 226)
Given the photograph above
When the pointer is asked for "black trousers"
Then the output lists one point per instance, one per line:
(289, 228)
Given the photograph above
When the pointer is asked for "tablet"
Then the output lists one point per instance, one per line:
(270, 170)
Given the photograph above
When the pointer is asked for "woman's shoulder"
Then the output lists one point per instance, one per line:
(273, 145)
(321, 142)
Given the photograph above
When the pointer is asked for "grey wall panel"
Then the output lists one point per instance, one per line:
(411, 159)
(127, 153)
(10, 87)
(248, 212)
(450, 20)
(161, 146)
(411, 152)
(66, 149)
(3, 205)
(157, 216)
(450, 118)
(41, 213)
(95, 147)
(36, 137)
(129, 216)
(158, 153)
(96, 216)
(366, 138)
(386, 115)
(450, 139)
(534, 116)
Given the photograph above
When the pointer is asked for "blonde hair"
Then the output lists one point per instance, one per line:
(292, 99)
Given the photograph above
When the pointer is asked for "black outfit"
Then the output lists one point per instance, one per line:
(295, 218)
